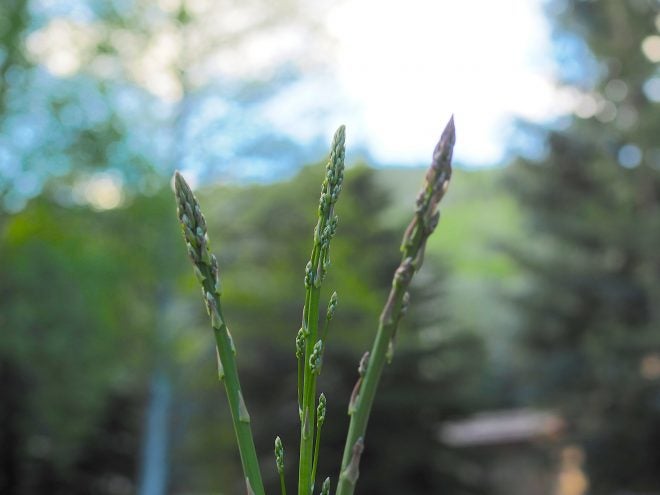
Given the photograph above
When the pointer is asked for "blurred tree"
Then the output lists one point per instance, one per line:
(82, 317)
(121, 93)
(591, 313)
(14, 15)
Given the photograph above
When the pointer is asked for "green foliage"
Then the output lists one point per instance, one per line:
(80, 298)
(120, 297)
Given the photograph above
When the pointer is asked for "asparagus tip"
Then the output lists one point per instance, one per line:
(279, 454)
(179, 181)
(325, 489)
(443, 151)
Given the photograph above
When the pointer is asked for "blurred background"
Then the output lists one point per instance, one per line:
(529, 362)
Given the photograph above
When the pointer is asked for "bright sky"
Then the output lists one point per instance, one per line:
(407, 65)
(396, 71)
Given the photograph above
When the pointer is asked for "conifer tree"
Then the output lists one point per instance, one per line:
(591, 313)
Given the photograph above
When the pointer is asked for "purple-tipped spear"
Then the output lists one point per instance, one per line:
(414, 242)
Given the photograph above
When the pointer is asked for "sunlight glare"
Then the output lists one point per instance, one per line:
(409, 65)
(62, 45)
(651, 48)
(102, 191)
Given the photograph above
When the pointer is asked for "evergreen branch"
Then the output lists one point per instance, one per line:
(205, 266)
(414, 242)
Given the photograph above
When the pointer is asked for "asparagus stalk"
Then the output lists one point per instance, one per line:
(205, 266)
(420, 228)
(315, 272)
(279, 462)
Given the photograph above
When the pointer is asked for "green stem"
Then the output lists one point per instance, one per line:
(282, 486)
(301, 378)
(301, 339)
(206, 270)
(315, 463)
(239, 413)
(414, 242)
(314, 275)
(308, 407)
(320, 419)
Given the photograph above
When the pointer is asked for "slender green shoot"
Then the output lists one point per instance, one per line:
(205, 266)
(332, 307)
(325, 489)
(420, 228)
(300, 357)
(315, 273)
(279, 462)
(320, 419)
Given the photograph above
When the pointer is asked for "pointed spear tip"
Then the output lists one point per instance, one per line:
(444, 149)
(178, 179)
(449, 134)
(180, 184)
(340, 134)
(250, 491)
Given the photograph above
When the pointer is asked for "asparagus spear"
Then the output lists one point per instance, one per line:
(309, 362)
(205, 266)
(420, 228)
(279, 462)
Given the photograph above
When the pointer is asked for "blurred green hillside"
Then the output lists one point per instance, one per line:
(479, 217)
(120, 309)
